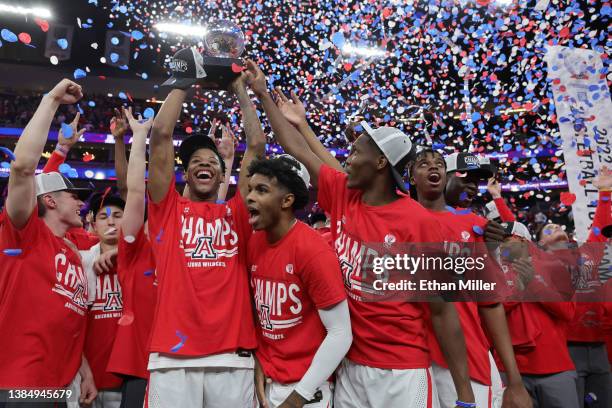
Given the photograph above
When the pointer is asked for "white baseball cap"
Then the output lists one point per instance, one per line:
(301, 171)
(54, 181)
(518, 229)
(394, 144)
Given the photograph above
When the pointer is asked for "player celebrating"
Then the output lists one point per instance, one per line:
(107, 212)
(40, 271)
(294, 266)
(199, 348)
(136, 271)
(389, 341)
(428, 176)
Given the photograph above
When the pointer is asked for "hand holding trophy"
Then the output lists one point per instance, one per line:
(220, 64)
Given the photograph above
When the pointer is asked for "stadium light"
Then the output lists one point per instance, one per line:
(363, 51)
(182, 29)
(35, 11)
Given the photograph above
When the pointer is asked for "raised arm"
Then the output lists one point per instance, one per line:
(226, 147)
(161, 157)
(495, 190)
(118, 126)
(133, 216)
(64, 144)
(255, 137)
(294, 111)
(288, 136)
(21, 198)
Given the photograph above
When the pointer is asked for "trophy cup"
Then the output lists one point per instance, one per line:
(220, 64)
(224, 44)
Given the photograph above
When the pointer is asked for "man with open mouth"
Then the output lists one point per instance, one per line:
(428, 180)
(305, 331)
(203, 331)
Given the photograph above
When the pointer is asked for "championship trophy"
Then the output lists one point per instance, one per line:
(218, 66)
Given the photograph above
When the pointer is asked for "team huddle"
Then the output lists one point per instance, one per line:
(195, 300)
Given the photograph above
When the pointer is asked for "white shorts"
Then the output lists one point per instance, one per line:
(207, 387)
(486, 396)
(107, 399)
(359, 386)
(277, 393)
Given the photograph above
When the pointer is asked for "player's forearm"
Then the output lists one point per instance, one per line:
(165, 120)
(121, 166)
(54, 162)
(505, 213)
(255, 137)
(494, 319)
(448, 331)
(317, 147)
(135, 170)
(332, 350)
(32, 141)
(224, 187)
(287, 135)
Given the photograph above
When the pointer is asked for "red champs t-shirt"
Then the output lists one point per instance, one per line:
(458, 230)
(102, 325)
(203, 305)
(385, 334)
(290, 280)
(136, 269)
(43, 306)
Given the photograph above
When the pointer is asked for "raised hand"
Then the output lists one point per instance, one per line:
(66, 92)
(68, 142)
(138, 126)
(293, 109)
(604, 180)
(119, 123)
(227, 144)
(255, 78)
(494, 188)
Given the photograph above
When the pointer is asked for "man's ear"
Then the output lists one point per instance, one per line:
(288, 201)
(382, 162)
(49, 200)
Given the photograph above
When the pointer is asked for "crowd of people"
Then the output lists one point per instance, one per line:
(163, 298)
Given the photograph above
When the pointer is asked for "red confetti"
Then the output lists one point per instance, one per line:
(582, 183)
(568, 198)
(564, 33)
(237, 68)
(188, 129)
(25, 38)
(43, 24)
(87, 157)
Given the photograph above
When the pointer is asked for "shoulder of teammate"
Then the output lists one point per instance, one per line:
(331, 186)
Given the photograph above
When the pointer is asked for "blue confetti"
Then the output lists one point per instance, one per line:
(64, 168)
(5, 165)
(7, 152)
(148, 272)
(91, 104)
(144, 75)
(12, 252)
(62, 43)
(137, 35)
(122, 95)
(181, 343)
(8, 35)
(79, 73)
(148, 113)
(114, 57)
(463, 196)
(114, 41)
(66, 130)
(477, 230)
(108, 211)
(596, 231)
(158, 238)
